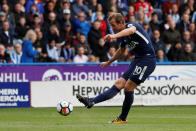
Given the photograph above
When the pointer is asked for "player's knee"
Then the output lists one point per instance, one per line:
(129, 88)
(120, 84)
(130, 85)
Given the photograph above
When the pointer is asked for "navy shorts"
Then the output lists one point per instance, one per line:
(140, 69)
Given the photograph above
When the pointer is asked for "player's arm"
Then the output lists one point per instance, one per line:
(126, 32)
(117, 55)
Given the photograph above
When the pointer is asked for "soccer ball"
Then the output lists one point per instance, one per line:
(64, 108)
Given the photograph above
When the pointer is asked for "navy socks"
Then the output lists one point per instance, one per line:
(106, 95)
(128, 101)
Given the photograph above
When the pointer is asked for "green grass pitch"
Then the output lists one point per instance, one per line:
(173, 118)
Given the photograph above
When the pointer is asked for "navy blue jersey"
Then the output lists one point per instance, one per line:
(139, 42)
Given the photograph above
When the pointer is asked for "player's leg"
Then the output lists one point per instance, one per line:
(89, 102)
(119, 84)
(142, 69)
(128, 101)
(129, 98)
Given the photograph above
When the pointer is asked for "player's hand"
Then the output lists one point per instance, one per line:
(104, 64)
(109, 38)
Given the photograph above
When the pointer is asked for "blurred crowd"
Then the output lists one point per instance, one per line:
(73, 30)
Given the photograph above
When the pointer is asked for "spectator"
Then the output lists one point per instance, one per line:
(51, 50)
(188, 55)
(97, 15)
(80, 57)
(51, 21)
(76, 38)
(123, 6)
(80, 7)
(66, 33)
(53, 34)
(156, 41)
(167, 6)
(99, 8)
(4, 57)
(83, 42)
(21, 28)
(10, 3)
(111, 53)
(189, 4)
(93, 59)
(10, 49)
(93, 5)
(65, 5)
(67, 52)
(175, 52)
(39, 43)
(165, 25)
(148, 9)
(2, 18)
(161, 56)
(111, 6)
(28, 54)
(34, 14)
(171, 36)
(140, 13)
(131, 12)
(147, 29)
(194, 17)
(80, 25)
(66, 16)
(187, 39)
(184, 24)
(187, 11)
(174, 13)
(6, 37)
(131, 18)
(94, 35)
(192, 31)
(9, 14)
(17, 54)
(22, 2)
(56, 5)
(140, 17)
(103, 26)
(18, 12)
(36, 22)
(115, 8)
(58, 49)
(49, 7)
(39, 5)
(101, 50)
(154, 23)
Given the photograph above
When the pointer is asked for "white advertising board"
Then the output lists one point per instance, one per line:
(152, 92)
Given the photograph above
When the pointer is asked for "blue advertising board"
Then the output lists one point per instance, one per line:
(14, 94)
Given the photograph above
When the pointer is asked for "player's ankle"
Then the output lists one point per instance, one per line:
(123, 119)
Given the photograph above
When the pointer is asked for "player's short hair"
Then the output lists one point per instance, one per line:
(118, 17)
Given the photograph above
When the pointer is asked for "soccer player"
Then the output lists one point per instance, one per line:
(141, 67)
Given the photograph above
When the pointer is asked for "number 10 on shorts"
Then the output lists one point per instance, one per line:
(138, 70)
